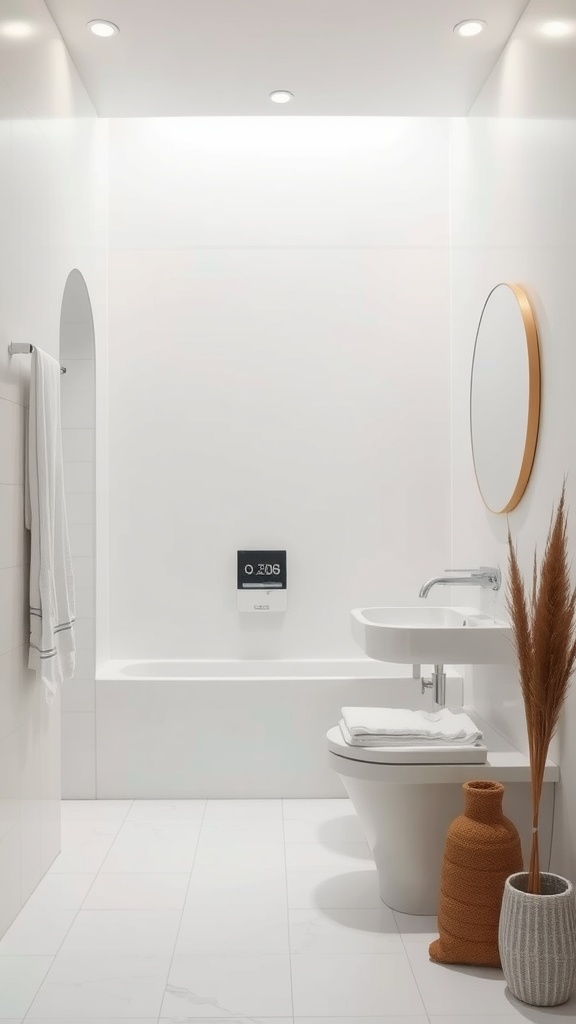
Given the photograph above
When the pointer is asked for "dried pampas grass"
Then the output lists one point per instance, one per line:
(544, 628)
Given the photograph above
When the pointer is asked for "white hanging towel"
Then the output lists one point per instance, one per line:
(52, 646)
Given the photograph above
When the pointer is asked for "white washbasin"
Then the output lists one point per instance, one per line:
(446, 636)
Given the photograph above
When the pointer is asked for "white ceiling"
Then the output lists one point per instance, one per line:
(223, 57)
(537, 75)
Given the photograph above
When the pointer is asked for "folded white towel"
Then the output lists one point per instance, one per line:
(51, 578)
(394, 742)
(402, 723)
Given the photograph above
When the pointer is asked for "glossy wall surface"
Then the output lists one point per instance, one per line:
(52, 208)
(514, 219)
(279, 347)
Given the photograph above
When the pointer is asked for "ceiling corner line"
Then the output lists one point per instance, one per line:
(500, 55)
(71, 59)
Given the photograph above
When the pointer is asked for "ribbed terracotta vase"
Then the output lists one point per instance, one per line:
(482, 850)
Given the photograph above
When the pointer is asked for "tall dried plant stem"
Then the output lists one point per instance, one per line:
(544, 629)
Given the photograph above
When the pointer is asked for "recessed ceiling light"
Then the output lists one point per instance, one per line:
(556, 29)
(281, 96)
(469, 28)
(103, 28)
(16, 29)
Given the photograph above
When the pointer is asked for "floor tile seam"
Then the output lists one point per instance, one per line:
(73, 921)
(133, 871)
(25, 1017)
(165, 820)
(244, 844)
(92, 830)
(333, 868)
(354, 953)
(3, 955)
(287, 907)
(78, 910)
(127, 910)
(412, 971)
(345, 906)
(87, 837)
(241, 954)
(178, 930)
(125, 818)
(114, 841)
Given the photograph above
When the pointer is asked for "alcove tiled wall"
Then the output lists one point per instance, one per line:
(53, 217)
(78, 430)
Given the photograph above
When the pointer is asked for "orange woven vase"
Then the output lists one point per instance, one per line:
(482, 849)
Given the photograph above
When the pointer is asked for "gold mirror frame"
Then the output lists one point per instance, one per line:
(534, 395)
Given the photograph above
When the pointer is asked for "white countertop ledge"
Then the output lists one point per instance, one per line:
(504, 763)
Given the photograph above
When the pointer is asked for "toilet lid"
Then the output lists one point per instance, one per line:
(474, 754)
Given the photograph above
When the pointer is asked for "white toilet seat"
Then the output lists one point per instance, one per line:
(473, 754)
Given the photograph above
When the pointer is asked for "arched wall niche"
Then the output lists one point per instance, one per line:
(77, 355)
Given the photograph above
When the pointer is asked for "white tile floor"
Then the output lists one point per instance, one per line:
(251, 912)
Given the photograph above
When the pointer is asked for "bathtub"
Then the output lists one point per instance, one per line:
(234, 728)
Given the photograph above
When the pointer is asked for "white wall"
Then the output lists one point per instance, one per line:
(514, 219)
(51, 220)
(279, 375)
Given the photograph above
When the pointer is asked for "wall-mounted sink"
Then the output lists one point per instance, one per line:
(446, 636)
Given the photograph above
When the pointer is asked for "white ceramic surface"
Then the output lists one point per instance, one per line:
(152, 846)
(154, 738)
(137, 891)
(37, 931)
(405, 811)
(251, 985)
(107, 983)
(326, 985)
(307, 948)
(418, 635)
(344, 930)
(22, 977)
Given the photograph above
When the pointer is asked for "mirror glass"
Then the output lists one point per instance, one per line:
(504, 397)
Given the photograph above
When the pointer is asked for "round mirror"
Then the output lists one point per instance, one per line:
(505, 397)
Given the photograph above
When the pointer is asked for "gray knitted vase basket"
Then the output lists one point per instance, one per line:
(537, 939)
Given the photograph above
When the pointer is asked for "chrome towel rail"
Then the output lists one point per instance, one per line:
(23, 348)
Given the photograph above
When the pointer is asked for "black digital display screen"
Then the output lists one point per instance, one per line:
(261, 570)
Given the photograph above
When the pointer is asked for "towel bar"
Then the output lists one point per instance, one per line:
(16, 348)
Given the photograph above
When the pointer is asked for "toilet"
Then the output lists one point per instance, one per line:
(405, 800)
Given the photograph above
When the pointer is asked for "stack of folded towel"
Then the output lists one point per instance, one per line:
(399, 727)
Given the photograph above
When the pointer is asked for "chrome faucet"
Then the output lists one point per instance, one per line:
(482, 577)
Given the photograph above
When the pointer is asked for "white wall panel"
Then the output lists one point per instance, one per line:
(269, 181)
(52, 209)
(514, 219)
(78, 754)
(279, 376)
